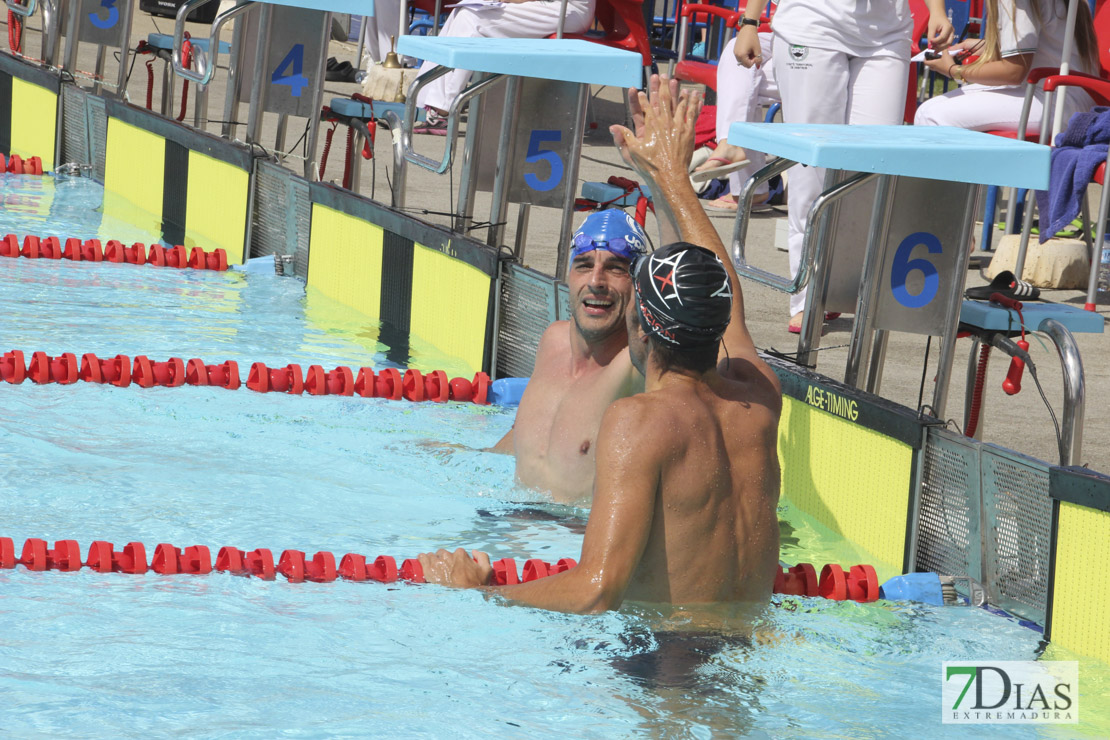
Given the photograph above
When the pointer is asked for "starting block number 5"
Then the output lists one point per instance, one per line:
(538, 152)
(903, 266)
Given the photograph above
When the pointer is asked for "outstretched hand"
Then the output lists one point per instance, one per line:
(664, 119)
(456, 569)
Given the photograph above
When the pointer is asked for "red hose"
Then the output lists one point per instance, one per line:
(347, 159)
(186, 61)
(15, 33)
(327, 149)
(150, 84)
(977, 390)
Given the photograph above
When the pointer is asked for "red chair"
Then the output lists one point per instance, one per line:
(689, 70)
(623, 27)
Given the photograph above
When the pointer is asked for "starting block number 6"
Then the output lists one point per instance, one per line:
(537, 153)
(902, 266)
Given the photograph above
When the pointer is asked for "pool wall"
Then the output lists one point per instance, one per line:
(907, 492)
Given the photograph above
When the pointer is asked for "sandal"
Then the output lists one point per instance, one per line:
(434, 124)
(1006, 284)
(712, 173)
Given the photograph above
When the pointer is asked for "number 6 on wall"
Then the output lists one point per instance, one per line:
(902, 266)
(537, 154)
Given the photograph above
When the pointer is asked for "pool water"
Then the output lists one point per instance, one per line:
(90, 655)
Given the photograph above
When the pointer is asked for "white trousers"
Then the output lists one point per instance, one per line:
(822, 86)
(740, 92)
(535, 19)
(992, 108)
(381, 26)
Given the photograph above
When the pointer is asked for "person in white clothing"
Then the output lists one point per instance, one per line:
(740, 92)
(381, 28)
(1020, 35)
(510, 19)
(836, 61)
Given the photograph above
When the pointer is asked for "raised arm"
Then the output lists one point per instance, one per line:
(616, 535)
(660, 150)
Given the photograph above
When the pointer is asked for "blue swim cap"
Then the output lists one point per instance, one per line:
(612, 230)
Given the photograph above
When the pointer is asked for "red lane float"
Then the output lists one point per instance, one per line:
(860, 583)
(175, 372)
(50, 247)
(16, 165)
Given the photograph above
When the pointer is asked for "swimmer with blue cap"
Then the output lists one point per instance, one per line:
(582, 365)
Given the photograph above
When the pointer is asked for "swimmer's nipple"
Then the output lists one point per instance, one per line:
(585, 447)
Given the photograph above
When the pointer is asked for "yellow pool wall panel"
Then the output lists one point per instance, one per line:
(346, 261)
(216, 206)
(34, 119)
(450, 305)
(134, 172)
(1081, 595)
(851, 479)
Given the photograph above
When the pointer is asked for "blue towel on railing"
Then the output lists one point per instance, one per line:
(1080, 149)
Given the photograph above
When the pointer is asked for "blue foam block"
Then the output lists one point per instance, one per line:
(357, 109)
(931, 152)
(507, 391)
(164, 42)
(923, 587)
(603, 192)
(571, 60)
(989, 316)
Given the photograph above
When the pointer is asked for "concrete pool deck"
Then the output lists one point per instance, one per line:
(1020, 422)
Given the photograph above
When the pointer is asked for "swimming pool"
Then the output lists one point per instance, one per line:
(85, 654)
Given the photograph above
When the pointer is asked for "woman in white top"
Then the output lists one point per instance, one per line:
(1020, 35)
(836, 61)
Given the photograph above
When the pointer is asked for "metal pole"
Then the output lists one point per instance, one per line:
(124, 50)
(813, 315)
(361, 40)
(1027, 215)
(310, 171)
(1065, 64)
(98, 70)
(878, 360)
(571, 187)
(500, 201)
(468, 179)
(869, 276)
(70, 63)
(261, 64)
(231, 98)
(1071, 425)
(562, 19)
(521, 230)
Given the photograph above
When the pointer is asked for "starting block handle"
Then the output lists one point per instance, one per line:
(814, 227)
(23, 10)
(204, 69)
(452, 117)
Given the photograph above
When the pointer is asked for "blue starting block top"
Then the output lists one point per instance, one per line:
(354, 7)
(358, 109)
(996, 318)
(164, 42)
(931, 152)
(570, 60)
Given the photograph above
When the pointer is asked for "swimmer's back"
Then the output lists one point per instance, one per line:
(714, 533)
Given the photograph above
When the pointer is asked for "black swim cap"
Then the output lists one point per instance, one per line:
(683, 295)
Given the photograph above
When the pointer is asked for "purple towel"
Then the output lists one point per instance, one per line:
(1078, 153)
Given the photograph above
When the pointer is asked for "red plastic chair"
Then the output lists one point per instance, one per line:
(623, 27)
(705, 73)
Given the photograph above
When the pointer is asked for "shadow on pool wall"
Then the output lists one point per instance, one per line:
(911, 494)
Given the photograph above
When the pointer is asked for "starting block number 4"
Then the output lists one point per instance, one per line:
(295, 79)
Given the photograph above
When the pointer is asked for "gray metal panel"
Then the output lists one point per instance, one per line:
(947, 514)
(852, 218)
(98, 134)
(562, 306)
(75, 126)
(295, 38)
(99, 23)
(282, 215)
(528, 306)
(1016, 544)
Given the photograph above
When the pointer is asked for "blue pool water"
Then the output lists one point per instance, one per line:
(89, 655)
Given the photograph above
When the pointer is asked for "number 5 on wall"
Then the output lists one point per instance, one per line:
(537, 154)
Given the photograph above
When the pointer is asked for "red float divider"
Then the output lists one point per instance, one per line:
(860, 583)
(7, 554)
(62, 369)
(192, 560)
(225, 375)
(12, 367)
(169, 374)
(504, 572)
(287, 379)
(258, 563)
(388, 384)
(104, 558)
(321, 569)
(50, 247)
(116, 371)
(16, 165)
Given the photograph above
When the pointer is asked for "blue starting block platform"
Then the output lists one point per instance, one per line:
(993, 317)
(931, 152)
(164, 42)
(603, 192)
(357, 109)
(567, 60)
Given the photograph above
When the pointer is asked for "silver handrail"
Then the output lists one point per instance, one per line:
(1071, 425)
(24, 10)
(204, 69)
(457, 105)
(810, 238)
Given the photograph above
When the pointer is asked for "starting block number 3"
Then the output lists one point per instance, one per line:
(903, 266)
(539, 152)
(111, 20)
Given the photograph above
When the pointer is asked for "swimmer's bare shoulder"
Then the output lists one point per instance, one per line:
(554, 344)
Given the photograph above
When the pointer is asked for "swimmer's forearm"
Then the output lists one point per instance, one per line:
(504, 446)
(573, 591)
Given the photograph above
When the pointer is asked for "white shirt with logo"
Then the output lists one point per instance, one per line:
(859, 28)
